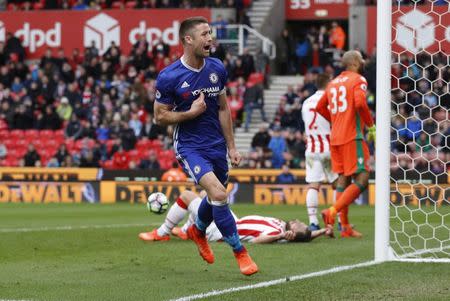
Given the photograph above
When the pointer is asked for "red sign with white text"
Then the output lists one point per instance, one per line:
(425, 27)
(77, 29)
(317, 9)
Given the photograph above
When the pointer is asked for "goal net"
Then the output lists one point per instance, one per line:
(419, 190)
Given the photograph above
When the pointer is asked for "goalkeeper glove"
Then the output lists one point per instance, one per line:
(371, 136)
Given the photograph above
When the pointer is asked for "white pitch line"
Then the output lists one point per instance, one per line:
(71, 228)
(276, 281)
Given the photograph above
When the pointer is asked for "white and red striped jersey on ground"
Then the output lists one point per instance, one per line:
(317, 128)
(253, 226)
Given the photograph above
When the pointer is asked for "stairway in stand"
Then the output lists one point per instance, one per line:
(277, 88)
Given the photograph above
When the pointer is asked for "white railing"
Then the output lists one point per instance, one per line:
(239, 34)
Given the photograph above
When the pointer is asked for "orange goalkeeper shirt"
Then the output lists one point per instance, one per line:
(344, 105)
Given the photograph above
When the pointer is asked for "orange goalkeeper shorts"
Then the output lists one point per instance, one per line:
(350, 158)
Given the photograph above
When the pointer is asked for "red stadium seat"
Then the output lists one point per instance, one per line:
(130, 4)
(4, 134)
(70, 144)
(9, 143)
(3, 125)
(108, 164)
(59, 135)
(165, 163)
(109, 145)
(38, 6)
(31, 134)
(46, 134)
(17, 134)
(144, 153)
(11, 162)
(144, 144)
(117, 5)
(256, 78)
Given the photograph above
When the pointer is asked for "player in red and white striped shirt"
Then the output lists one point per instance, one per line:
(318, 160)
(252, 228)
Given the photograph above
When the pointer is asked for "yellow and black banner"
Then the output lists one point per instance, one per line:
(49, 192)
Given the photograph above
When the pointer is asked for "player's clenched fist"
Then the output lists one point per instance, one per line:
(235, 157)
(199, 105)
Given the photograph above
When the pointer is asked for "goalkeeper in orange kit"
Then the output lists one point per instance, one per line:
(344, 105)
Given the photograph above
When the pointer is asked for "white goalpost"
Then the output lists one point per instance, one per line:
(412, 206)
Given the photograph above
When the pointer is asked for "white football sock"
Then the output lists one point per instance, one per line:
(173, 218)
(193, 212)
(312, 202)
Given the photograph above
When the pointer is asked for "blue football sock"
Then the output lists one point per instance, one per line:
(204, 216)
(227, 226)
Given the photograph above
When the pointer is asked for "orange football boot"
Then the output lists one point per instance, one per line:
(178, 232)
(153, 236)
(348, 231)
(246, 264)
(199, 239)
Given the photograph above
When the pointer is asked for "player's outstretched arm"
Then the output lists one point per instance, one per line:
(227, 128)
(165, 116)
(266, 239)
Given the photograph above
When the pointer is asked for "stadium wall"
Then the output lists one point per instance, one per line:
(46, 185)
(77, 29)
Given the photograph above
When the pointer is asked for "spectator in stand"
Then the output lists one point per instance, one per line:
(150, 129)
(13, 48)
(291, 96)
(285, 52)
(151, 162)
(80, 5)
(102, 132)
(220, 25)
(337, 36)
(53, 163)
(88, 160)
(121, 159)
(286, 177)
(175, 174)
(278, 146)
(74, 128)
(3, 151)
(236, 104)
(303, 53)
(323, 39)
(88, 131)
(128, 137)
(61, 154)
(64, 109)
(217, 50)
(248, 63)
(22, 118)
(50, 120)
(135, 124)
(31, 156)
(253, 99)
(262, 138)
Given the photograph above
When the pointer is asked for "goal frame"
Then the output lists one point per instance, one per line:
(383, 250)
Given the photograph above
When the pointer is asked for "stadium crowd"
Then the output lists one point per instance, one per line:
(27, 5)
(99, 108)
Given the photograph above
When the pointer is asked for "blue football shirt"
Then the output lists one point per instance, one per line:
(179, 85)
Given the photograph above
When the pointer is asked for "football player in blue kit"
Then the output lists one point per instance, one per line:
(191, 94)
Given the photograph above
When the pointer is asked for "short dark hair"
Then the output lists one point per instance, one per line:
(322, 81)
(189, 24)
(302, 236)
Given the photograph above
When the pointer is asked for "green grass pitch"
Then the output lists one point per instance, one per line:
(112, 264)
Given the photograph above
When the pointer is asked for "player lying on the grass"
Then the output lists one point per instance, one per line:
(252, 228)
